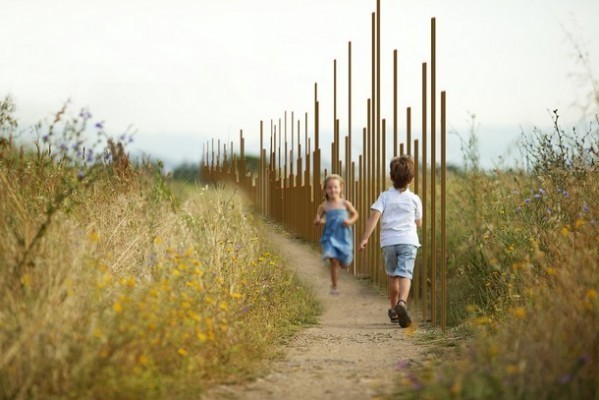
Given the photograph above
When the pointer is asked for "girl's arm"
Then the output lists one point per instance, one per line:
(353, 214)
(370, 225)
(319, 214)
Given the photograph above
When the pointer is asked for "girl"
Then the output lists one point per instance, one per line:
(336, 240)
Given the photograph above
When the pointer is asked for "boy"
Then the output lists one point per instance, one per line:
(401, 212)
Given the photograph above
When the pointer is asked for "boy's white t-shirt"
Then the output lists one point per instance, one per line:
(399, 210)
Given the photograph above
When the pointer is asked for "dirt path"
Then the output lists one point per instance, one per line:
(351, 353)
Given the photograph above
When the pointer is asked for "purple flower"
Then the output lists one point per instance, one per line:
(526, 201)
(100, 125)
(402, 364)
(565, 378)
(537, 196)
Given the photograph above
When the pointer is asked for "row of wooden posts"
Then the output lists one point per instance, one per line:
(286, 185)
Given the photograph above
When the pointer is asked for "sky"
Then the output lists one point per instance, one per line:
(180, 72)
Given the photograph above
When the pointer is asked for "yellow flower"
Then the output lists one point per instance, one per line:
(142, 359)
(182, 352)
(236, 295)
(26, 280)
(591, 294)
(512, 369)
(519, 312)
(565, 231)
(94, 237)
(456, 388)
(202, 337)
(157, 240)
(579, 223)
(117, 307)
(550, 271)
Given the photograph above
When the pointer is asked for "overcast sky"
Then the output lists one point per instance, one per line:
(182, 72)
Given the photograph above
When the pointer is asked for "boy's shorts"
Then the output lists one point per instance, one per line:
(399, 260)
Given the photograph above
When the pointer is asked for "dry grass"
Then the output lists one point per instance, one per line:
(112, 288)
(524, 279)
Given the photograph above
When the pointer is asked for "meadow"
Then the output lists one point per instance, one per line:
(119, 284)
(523, 277)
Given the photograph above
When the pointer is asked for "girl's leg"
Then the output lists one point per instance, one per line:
(334, 272)
(394, 290)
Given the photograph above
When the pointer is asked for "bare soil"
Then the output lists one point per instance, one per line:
(351, 353)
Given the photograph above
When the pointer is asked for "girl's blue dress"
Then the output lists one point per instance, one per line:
(336, 239)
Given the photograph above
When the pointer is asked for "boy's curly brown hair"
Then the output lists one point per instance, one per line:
(401, 171)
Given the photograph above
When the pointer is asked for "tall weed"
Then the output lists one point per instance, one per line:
(112, 288)
(526, 279)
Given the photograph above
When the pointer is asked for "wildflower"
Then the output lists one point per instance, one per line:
(519, 312)
(512, 369)
(456, 388)
(117, 307)
(201, 337)
(94, 237)
(142, 359)
(550, 271)
(565, 378)
(565, 231)
(100, 125)
(402, 364)
(182, 352)
(579, 223)
(591, 294)
(26, 280)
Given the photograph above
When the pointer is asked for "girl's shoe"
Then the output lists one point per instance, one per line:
(334, 291)
(393, 316)
(402, 314)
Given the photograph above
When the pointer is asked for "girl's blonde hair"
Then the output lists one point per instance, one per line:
(326, 181)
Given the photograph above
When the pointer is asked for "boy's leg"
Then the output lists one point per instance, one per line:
(404, 285)
(394, 290)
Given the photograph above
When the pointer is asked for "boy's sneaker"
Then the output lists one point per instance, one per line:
(393, 316)
(401, 309)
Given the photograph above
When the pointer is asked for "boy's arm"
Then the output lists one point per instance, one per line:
(418, 223)
(353, 214)
(373, 219)
(319, 213)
